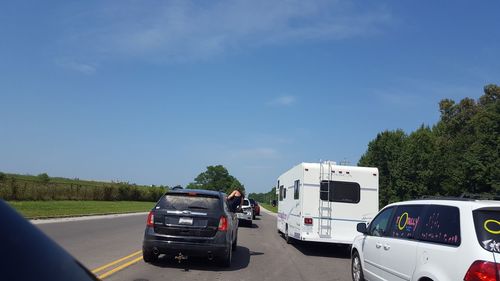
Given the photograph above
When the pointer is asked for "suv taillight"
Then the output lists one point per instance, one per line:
(223, 223)
(482, 271)
(308, 221)
(151, 219)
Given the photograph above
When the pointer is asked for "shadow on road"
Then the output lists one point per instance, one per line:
(254, 226)
(247, 225)
(323, 249)
(241, 259)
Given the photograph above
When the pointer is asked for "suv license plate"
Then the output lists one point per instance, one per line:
(188, 221)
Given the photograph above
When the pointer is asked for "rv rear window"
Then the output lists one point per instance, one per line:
(339, 191)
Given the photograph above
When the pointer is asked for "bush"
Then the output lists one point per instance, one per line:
(41, 187)
(43, 178)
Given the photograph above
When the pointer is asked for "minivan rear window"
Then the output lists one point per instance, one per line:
(186, 201)
(487, 225)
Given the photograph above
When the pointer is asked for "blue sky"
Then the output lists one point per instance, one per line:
(152, 92)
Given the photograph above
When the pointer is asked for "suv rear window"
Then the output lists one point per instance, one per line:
(185, 201)
(487, 224)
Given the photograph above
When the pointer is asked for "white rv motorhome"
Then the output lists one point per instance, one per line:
(324, 202)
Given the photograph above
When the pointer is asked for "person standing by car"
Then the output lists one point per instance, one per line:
(235, 199)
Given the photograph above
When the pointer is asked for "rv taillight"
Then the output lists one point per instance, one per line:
(223, 223)
(482, 271)
(151, 219)
(308, 221)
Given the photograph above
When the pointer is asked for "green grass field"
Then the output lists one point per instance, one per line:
(269, 207)
(54, 209)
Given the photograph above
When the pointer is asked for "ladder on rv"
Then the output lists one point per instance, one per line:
(325, 206)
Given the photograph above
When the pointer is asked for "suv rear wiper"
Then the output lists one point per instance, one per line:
(197, 207)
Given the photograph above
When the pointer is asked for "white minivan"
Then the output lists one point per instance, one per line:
(423, 240)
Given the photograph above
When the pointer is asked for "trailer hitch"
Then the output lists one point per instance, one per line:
(180, 257)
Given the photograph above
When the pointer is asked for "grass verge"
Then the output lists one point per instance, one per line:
(55, 209)
(269, 207)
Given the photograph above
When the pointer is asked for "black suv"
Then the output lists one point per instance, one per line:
(191, 223)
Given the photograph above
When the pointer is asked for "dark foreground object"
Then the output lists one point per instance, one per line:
(27, 254)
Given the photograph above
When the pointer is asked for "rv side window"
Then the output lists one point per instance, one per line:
(284, 193)
(296, 190)
(281, 193)
(339, 191)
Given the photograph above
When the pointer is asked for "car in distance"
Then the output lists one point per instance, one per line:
(440, 239)
(255, 206)
(188, 223)
(245, 215)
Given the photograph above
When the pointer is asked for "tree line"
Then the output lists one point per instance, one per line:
(42, 187)
(264, 197)
(457, 156)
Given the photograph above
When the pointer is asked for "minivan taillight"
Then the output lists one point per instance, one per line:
(308, 221)
(151, 219)
(223, 223)
(482, 271)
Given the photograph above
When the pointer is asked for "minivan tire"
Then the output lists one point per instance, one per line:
(356, 268)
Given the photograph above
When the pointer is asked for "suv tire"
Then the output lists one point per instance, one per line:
(235, 243)
(225, 261)
(148, 256)
(356, 268)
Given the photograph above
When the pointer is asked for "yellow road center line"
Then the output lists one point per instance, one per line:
(115, 262)
(106, 274)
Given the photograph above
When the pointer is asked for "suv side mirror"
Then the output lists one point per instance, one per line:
(361, 227)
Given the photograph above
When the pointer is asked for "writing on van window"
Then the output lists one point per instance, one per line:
(406, 220)
(407, 223)
(491, 245)
(492, 226)
(441, 225)
(487, 226)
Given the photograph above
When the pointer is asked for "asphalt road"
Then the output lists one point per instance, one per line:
(261, 255)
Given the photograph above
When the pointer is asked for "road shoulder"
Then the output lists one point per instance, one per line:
(84, 218)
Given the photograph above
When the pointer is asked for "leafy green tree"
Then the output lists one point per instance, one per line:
(384, 152)
(414, 173)
(460, 154)
(468, 140)
(43, 178)
(2, 176)
(216, 178)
